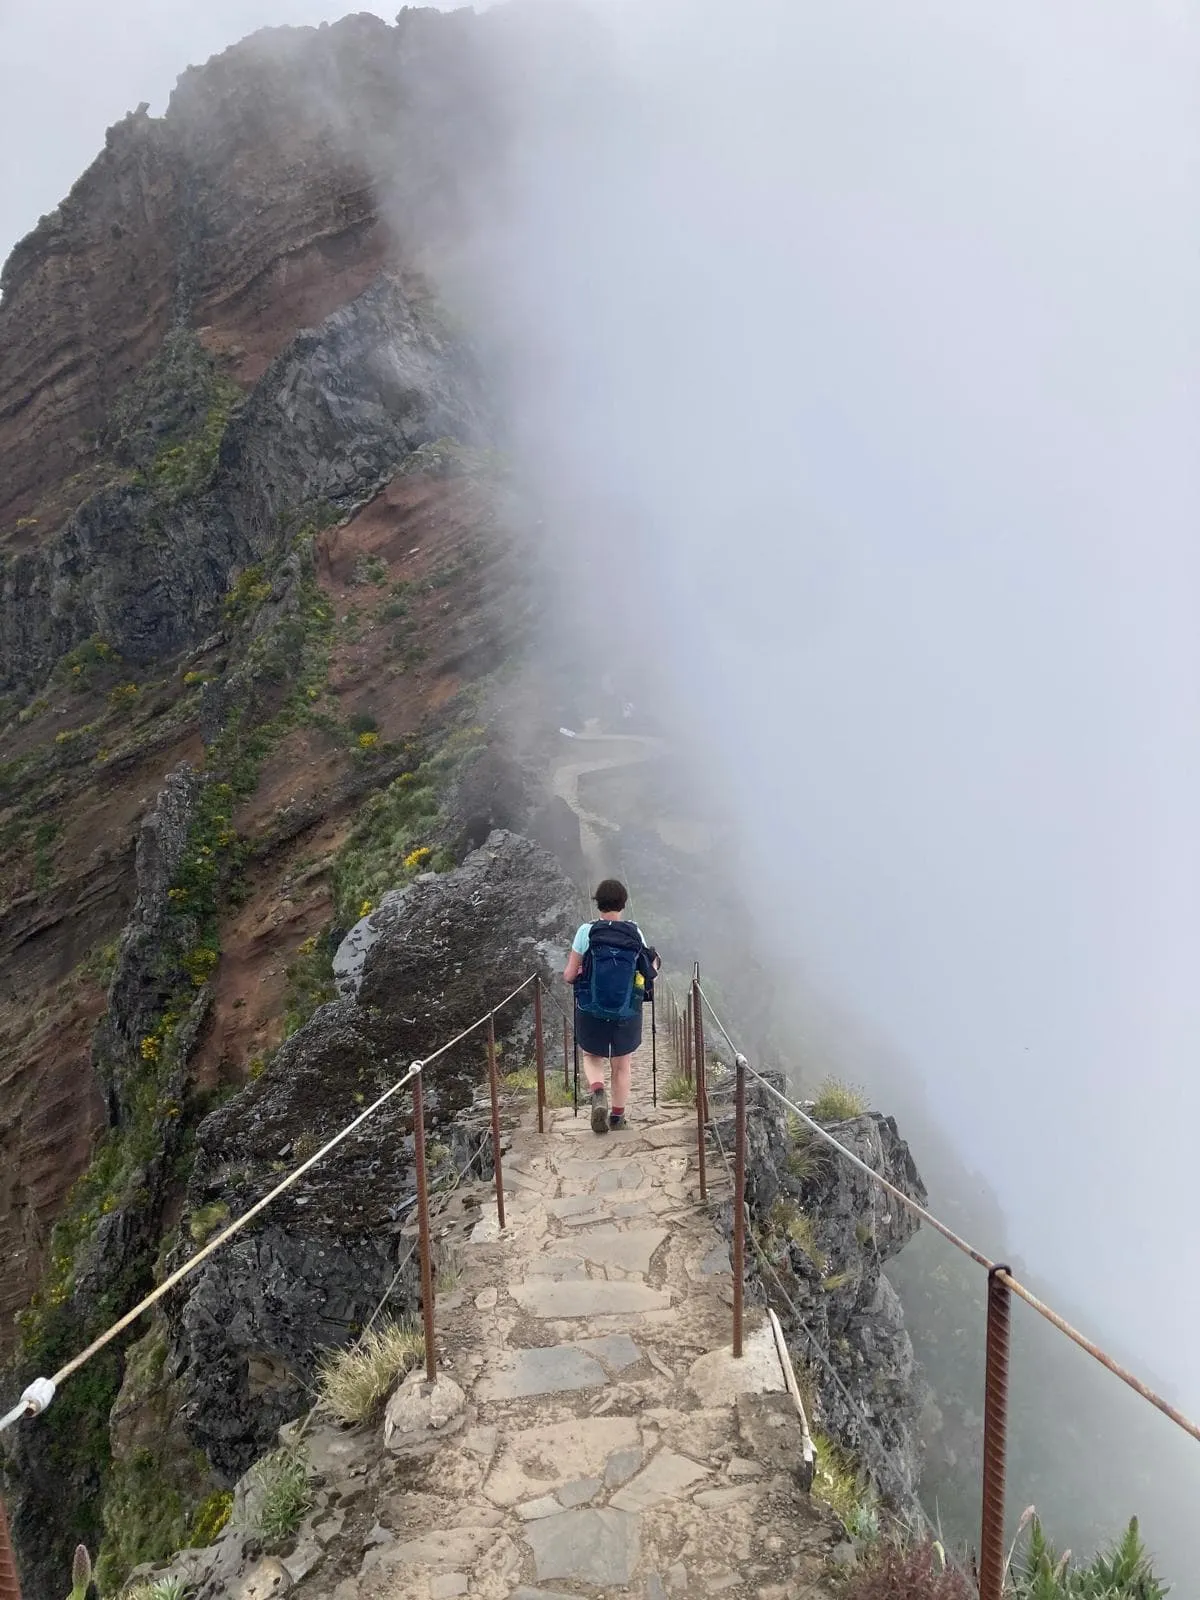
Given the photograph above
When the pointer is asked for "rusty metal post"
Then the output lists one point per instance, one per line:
(423, 1224)
(566, 1055)
(10, 1588)
(739, 1204)
(540, 1050)
(495, 1087)
(995, 1437)
(687, 1043)
(698, 1046)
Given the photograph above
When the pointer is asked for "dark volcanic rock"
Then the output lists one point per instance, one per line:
(249, 1326)
(831, 1232)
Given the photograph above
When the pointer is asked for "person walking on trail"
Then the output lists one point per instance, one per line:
(612, 969)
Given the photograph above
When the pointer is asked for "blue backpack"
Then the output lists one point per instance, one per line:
(608, 986)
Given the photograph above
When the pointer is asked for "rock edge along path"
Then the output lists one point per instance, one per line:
(604, 1441)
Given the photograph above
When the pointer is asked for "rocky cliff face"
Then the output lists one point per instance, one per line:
(825, 1234)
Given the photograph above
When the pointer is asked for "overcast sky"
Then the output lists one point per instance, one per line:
(889, 324)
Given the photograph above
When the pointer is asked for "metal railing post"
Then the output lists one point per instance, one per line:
(494, 1082)
(698, 1046)
(739, 1204)
(687, 1042)
(423, 1223)
(10, 1588)
(540, 1049)
(995, 1437)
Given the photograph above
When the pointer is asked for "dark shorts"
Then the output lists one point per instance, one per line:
(599, 1037)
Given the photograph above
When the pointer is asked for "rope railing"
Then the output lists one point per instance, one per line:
(1001, 1286)
(40, 1393)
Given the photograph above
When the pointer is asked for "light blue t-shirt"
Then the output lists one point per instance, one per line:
(583, 938)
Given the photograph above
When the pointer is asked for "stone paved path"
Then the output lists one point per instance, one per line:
(610, 1445)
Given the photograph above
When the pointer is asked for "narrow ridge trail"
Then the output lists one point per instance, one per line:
(608, 1445)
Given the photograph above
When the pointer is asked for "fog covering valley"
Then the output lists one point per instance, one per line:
(851, 352)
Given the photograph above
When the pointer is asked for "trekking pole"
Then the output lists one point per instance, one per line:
(653, 1050)
(575, 1035)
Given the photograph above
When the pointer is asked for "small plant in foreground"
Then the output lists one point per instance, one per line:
(162, 1589)
(353, 1382)
(835, 1480)
(282, 1479)
(908, 1572)
(1123, 1573)
(525, 1082)
(678, 1089)
(838, 1102)
(81, 1573)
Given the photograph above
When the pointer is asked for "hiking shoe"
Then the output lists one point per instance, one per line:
(599, 1110)
(616, 1120)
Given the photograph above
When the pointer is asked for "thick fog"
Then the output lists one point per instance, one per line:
(862, 341)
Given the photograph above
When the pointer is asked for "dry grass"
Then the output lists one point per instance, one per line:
(678, 1089)
(558, 1094)
(354, 1382)
(838, 1102)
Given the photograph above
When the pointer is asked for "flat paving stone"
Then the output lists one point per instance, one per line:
(526, 1593)
(597, 1546)
(556, 1267)
(718, 1379)
(579, 1492)
(616, 1350)
(537, 1461)
(668, 1477)
(630, 1249)
(574, 1205)
(621, 1466)
(555, 1370)
(629, 1175)
(546, 1297)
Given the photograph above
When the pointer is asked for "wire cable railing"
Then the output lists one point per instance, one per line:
(1001, 1285)
(40, 1393)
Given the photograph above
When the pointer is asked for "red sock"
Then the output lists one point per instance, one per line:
(618, 1111)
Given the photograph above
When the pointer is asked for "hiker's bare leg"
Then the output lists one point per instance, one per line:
(593, 1067)
(621, 1075)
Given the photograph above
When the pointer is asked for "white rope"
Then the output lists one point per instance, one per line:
(41, 1392)
(1002, 1273)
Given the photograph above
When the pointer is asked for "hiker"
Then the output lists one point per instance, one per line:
(612, 968)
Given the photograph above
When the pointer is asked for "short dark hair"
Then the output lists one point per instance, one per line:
(611, 895)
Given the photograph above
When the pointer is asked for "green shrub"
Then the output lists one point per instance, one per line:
(838, 1102)
(285, 1495)
(678, 1090)
(836, 1480)
(558, 1094)
(247, 592)
(204, 1223)
(210, 1519)
(1124, 1572)
(908, 1572)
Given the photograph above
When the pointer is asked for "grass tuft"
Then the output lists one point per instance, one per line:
(525, 1082)
(679, 1089)
(355, 1381)
(838, 1102)
(286, 1495)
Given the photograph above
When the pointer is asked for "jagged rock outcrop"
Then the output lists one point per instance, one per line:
(250, 209)
(146, 567)
(829, 1231)
(248, 1327)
